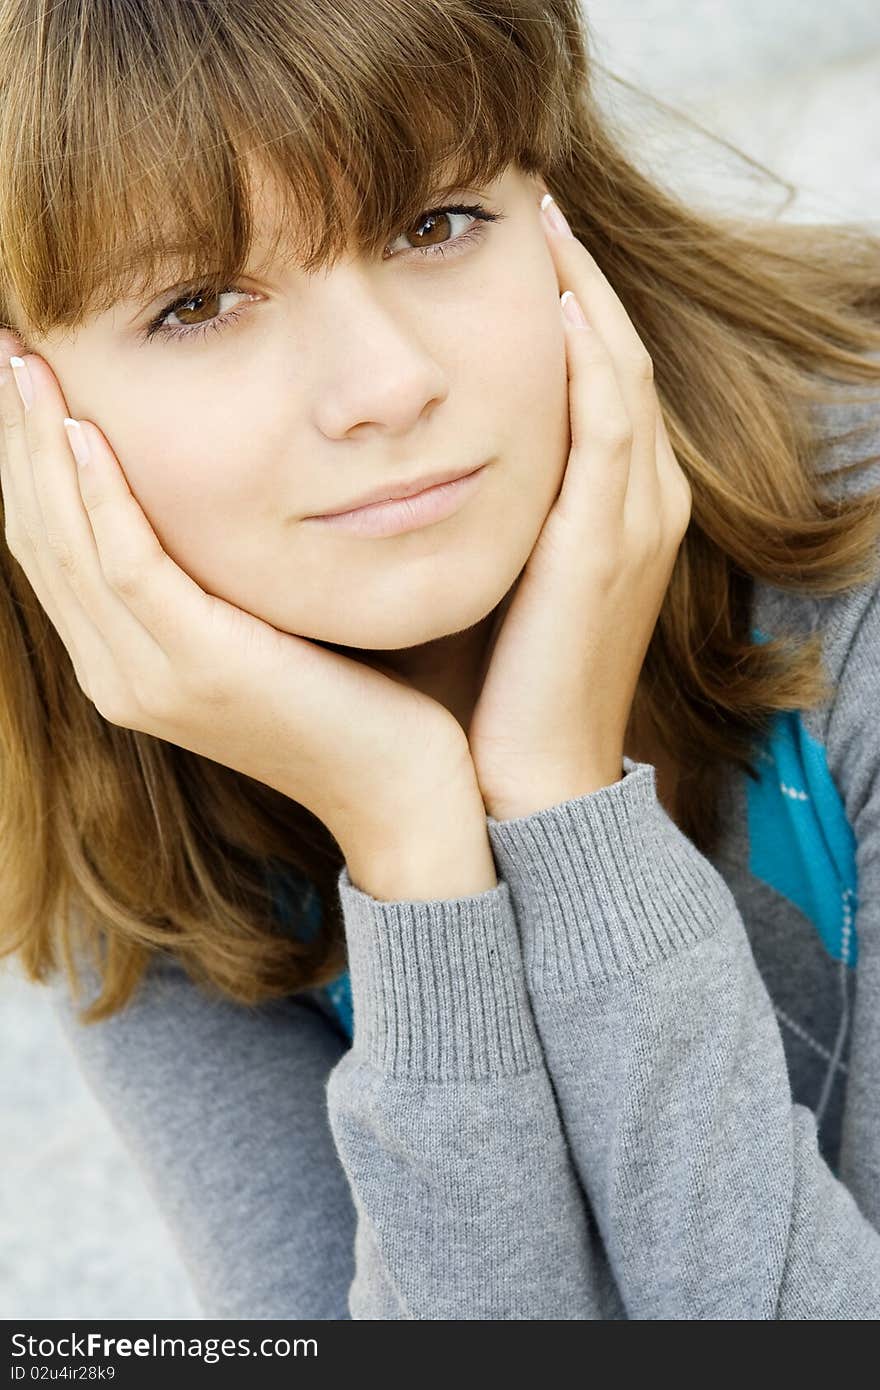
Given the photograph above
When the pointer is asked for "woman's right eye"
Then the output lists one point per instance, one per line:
(203, 295)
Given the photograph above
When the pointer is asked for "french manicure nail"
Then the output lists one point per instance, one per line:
(77, 441)
(572, 309)
(23, 381)
(554, 216)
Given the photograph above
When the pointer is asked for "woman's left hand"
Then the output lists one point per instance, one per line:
(570, 639)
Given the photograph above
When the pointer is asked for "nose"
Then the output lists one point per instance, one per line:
(376, 369)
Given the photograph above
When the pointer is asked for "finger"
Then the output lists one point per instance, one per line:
(85, 654)
(85, 647)
(58, 528)
(21, 510)
(577, 271)
(20, 502)
(127, 579)
(594, 487)
(23, 527)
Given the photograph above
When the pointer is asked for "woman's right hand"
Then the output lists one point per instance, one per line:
(350, 740)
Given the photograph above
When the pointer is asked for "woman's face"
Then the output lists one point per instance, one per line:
(327, 386)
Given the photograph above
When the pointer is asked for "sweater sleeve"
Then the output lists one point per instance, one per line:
(661, 1040)
(445, 1120)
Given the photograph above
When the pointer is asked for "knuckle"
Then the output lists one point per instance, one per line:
(122, 707)
(604, 566)
(643, 365)
(615, 431)
(123, 577)
(164, 693)
(27, 538)
(155, 698)
(13, 424)
(61, 553)
(112, 706)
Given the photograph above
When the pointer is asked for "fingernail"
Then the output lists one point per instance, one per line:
(572, 309)
(22, 381)
(554, 216)
(77, 441)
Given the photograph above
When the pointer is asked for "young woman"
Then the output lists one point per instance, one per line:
(471, 891)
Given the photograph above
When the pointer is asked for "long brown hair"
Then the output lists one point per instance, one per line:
(125, 846)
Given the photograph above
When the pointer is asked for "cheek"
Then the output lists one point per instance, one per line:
(193, 471)
(526, 372)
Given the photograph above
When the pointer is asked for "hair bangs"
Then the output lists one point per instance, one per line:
(131, 174)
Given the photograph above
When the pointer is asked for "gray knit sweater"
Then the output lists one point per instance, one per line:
(627, 1082)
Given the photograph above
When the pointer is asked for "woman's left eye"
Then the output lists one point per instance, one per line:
(435, 220)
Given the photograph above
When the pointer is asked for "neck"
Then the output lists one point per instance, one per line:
(448, 669)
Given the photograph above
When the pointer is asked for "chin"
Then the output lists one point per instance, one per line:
(399, 631)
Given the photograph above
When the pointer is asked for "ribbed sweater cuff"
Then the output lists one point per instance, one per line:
(605, 884)
(438, 988)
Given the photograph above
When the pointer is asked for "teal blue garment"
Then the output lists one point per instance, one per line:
(800, 841)
(299, 908)
(338, 994)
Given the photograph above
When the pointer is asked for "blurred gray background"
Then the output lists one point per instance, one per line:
(796, 86)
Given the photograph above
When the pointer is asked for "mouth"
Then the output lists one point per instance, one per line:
(393, 492)
(391, 516)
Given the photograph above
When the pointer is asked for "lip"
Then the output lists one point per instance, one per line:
(392, 516)
(391, 492)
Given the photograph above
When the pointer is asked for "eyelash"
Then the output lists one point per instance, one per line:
(482, 215)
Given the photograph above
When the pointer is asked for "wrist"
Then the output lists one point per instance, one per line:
(427, 871)
(538, 791)
(443, 851)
